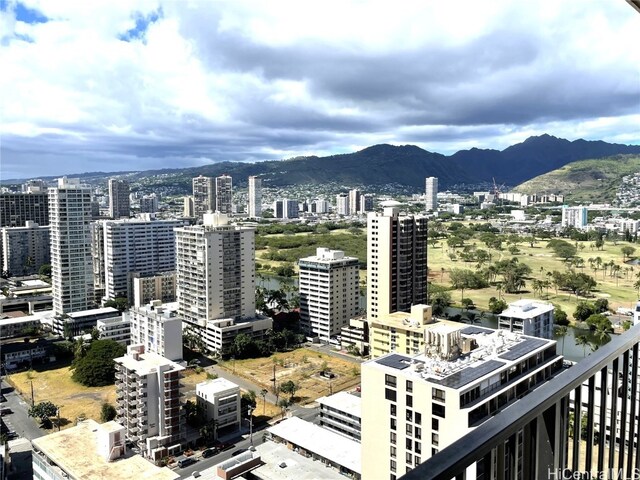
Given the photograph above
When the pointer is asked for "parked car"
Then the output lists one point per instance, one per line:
(238, 452)
(185, 462)
(209, 452)
(5, 411)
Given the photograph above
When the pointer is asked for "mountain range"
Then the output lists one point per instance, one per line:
(405, 165)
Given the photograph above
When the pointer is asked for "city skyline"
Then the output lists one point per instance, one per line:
(153, 85)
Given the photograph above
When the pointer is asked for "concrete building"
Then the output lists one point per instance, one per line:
(574, 217)
(216, 281)
(78, 323)
(401, 332)
(97, 257)
(342, 413)
(224, 195)
(141, 246)
(329, 292)
(255, 197)
(528, 317)
(25, 249)
(431, 194)
(89, 451)
(158, 328)
(119, 203)
(356, 335)
(149, 203)
(17, 327)
(153, 287)
(71, 262)
(396, 261)
(220, 400)
(355, 201)
(342, 204)
(204, 197)
(18, 208)
(189, 207)
(366, 203)
(321, 206)
(117, 329)
(148, 401)
(286, 208)
(414, 406)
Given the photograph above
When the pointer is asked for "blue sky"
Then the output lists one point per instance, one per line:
(142, 84)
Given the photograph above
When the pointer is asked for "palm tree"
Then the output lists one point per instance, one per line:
(602, 333)
(561, 331)
(263, 394)
(637, 286)
(583, 341)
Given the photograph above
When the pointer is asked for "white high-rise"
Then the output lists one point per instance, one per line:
(342, 204)
(71, 264)
(255, 197)
(355, 199)
(396, 261)
(329, 292)
(25, 249)
(158, 328)
(224, 194)
(204, 196)
(119, 202)
(574, 217)
(431, 194)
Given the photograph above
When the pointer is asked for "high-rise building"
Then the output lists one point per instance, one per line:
(149, 203)
(119, 203)
(148, 401)
(329, 292)
(342, 204)
(34, 186)
(414, 406)
(290, 208)
(18, 208)
(396, 261)
(224, 194)
(255, 197)
(401, 332)
(71, 263)
(431, 194)
(204, 196)
(97, 256)
(366, 203)
(25, 249)
(322, 206)
(528, 317)
(574, 217)
(158, 328)
(355, 199)
(143, 246)
(161, 286)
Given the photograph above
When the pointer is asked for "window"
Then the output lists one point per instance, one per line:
(392, 451)
(417, 446)
(393, 424)
(392, 437)
(393, 409)
(434, 451)
(435, 439)
(438, 394)
(409, 458)
(409, 429)
(418, 419)
(390, 394)
(417, 460)
(438, 410)
(409, 401)
(390, 381)
(418, 433)
(409, 444)
(392, 465)
(435, 424)
(409, 386)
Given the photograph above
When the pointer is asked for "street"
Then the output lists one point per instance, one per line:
(19, 421)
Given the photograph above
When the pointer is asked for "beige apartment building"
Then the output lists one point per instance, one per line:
(401, 332)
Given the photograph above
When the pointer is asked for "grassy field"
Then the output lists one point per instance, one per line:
(303, 367)
(57, 387)
(619, 291)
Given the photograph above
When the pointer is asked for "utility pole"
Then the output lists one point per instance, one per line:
(33, 401)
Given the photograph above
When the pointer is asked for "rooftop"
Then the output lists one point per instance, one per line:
(526, 309)
(296, 467)
(95, 311)
(216, 385)
(345, 402)
(63, 448)
(495, 350)
(147, 363)
(325, 443)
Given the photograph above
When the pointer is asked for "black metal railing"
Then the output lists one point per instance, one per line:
(594, 401)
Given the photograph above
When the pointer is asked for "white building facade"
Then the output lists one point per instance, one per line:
(220, 400)
(528, 317)
(119, 203)
(203, 199)
(431, 194)
(255, 197)
(574, 217)
(25, 249)
(158, 328)
(224, 194)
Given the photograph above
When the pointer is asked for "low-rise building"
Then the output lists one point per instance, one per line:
(157, 327)
(342, 413)
(117, 329)
(91, 450)
(400, 332)
(220, 334)
(19, 354)
(17, 327)
(76, 323)
(528, 317)
(220, 400)
(356, 335)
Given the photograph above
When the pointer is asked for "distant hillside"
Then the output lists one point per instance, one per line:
(586, 180)
(405, 165)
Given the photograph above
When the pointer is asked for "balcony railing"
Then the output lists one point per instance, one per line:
(534, 437)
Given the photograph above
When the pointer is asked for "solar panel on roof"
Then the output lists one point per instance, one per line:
(522, 348)
(399, 362)
(469, 374)
(475, 330)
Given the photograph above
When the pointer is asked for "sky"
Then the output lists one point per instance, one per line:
(142, 84)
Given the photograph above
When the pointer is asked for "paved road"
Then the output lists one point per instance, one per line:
(24, 425)
(332, 352)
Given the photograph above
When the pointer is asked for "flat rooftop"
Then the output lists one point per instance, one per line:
(75, 451)
(95, 311)
(325, 443)
(216, 385)
(345, 402)
(496, 350)
(148, 362)
(296, 467)
(526, 309)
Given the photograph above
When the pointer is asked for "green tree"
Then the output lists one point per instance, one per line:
(43, 410)
(582, 341)
(561, 331)
(107, 412)
(289, 387)
(263, 394)
(466, 303)
(601, 305)
(583, 311)
(560, 316)
(599, 322)
(45, 270)
(121, 303)
(627, 251)
(497, 306)
(97, 368)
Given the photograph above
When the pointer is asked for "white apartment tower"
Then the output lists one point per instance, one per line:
(149, 203)
(528, 317)
(329, 292)
(355, 200)
(342, 204)
(396, 261)
(158, 328)
(431, 194)
(71, 264)
(204, 196)
(25, 249)
(574, 217)
(119, 203)
(224, 194)
(215, 271)
(148, 400)
(143, 245)
(255, 197)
